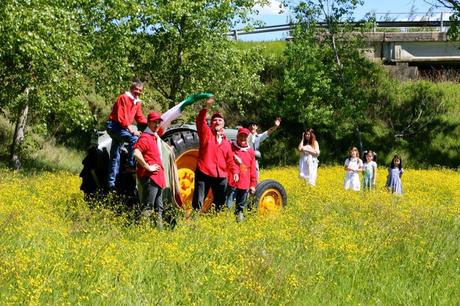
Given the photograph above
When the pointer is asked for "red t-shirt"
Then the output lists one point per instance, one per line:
(214, 159)
(248, 172)
(124, 111)
(147, 144)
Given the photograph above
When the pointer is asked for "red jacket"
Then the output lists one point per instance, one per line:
(147, 144)
(248, 172)
(214, 159)
(124, 111)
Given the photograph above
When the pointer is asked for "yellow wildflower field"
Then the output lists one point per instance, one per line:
(329, 246)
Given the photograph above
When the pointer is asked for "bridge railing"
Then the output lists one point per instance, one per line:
(436, 22)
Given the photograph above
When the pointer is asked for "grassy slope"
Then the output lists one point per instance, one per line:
(274, 48)
(329, 246)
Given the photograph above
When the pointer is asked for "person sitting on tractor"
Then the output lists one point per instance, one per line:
(150, 170)
(124, 111)
(245, 158)
(215, 159)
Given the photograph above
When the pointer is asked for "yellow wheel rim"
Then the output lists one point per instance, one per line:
(270, 202)
(186, 164)
(187, 184)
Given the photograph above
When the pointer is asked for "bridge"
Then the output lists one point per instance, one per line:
(407, 43)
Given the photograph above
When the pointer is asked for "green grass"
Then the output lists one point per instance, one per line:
(328, 247)
(269, 48)
(52, 157)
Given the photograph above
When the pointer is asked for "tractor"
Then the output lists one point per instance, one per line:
(269, 196)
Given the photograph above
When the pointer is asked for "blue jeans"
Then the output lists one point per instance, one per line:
(119, 136)
(241, 195)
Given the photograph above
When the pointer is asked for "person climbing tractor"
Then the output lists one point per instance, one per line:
(126, 109)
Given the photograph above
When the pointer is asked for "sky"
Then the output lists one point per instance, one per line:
(270, 14)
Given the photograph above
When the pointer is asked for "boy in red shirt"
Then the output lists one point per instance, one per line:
(245, 158)
(126, 109)
(215, 159)
(150, 171)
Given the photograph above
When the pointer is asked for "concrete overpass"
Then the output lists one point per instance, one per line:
(413, 48)
(394, 42)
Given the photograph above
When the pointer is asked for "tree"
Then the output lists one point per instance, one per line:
(454, 6)
(184, 48)
(327, 78)
(53, 51)
(41, 56)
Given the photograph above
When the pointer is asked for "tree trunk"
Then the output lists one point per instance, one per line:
(19, 132)
(360, 140)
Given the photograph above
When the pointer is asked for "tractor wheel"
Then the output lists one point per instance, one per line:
(94, 177)
(269, 197)
(94, 173)
(185, 143)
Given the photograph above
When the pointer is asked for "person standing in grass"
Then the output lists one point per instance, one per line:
(353, 165)
(395, 172)
(245, 158)
(215, 159)
(126, 109)
(308, 162)
(369, 171)
(256, 139)
(150, 170)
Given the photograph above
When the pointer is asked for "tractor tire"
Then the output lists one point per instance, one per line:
(270, 196)
(94, 176)
(185, 143)
(94, 172)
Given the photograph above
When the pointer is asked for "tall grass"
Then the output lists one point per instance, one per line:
(328, 247)
(51, 156)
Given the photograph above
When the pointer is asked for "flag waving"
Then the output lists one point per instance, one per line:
(174, 113)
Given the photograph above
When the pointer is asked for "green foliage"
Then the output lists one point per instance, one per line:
(417, 118)
(184, 49)
(42, 46)
(6, 134)
(61, 59)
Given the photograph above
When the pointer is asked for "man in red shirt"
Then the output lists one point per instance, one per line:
(215, 159)
(150, 170)
(126, 109)
(245, 158)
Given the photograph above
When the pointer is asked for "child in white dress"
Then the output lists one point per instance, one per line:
(353, 165)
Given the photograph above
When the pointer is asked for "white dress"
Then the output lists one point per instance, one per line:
(352, 177)
(308, 166)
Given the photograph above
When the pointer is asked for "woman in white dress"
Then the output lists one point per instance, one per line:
(308, 162)
(353, 165)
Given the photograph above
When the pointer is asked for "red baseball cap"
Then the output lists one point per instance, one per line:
(154, 116)
(243, 131)
(217, 114)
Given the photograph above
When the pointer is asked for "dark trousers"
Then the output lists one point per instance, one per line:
(151, 195)
(240, 195)
(202, 184)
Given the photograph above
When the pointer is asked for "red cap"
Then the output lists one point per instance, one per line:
(243, 131)
(217, 114)
(154, 116)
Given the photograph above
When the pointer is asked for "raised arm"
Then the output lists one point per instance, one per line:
(273, 128)
(201, 124)
(301, 145)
